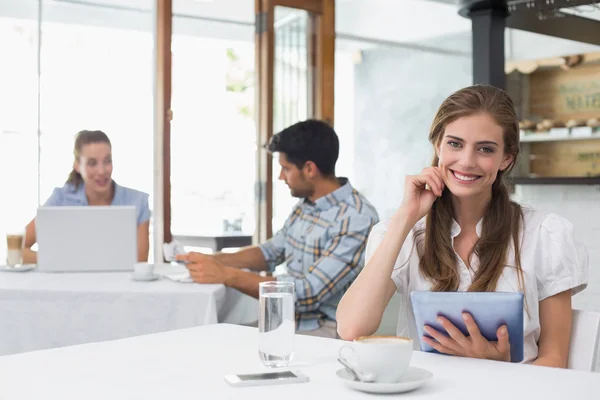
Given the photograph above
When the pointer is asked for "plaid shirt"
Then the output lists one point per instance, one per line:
(323, 246)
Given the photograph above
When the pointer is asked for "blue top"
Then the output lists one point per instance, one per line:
(124, 196)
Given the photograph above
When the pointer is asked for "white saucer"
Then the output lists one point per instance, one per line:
(144, 278)
(20, 268)
(412, 379)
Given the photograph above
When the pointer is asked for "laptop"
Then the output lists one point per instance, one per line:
(84, 239)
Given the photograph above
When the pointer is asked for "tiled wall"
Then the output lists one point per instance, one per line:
(581, 206)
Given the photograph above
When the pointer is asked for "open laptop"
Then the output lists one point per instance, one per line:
(92, 238)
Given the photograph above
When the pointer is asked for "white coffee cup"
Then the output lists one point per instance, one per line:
(379, 358)
(143, 270)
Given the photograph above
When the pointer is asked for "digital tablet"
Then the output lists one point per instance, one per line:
(490, 310)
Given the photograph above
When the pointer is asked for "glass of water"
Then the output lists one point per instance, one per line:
(276, 323)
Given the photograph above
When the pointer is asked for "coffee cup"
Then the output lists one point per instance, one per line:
(143, 270)
(382, 359)
(14, 249)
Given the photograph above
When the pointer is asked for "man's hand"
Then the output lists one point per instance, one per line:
(204, 268)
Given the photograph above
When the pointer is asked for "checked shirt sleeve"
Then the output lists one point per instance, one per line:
(340, 262)
(273, 250)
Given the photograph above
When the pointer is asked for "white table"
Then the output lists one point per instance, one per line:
(49, 310)
(191, 364)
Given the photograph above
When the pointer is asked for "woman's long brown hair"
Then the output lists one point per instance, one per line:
(503, 218)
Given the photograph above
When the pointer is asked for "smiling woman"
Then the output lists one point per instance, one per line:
(457, 230)
(90, 183)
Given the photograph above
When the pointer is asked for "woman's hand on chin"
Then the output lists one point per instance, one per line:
(420, 192)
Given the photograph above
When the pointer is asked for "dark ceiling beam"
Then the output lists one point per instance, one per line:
(543, 18)
(542, 5)
(488, 19)
(568, 27)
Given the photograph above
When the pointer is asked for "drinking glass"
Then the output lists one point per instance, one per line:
(15, 242)
(276, 323)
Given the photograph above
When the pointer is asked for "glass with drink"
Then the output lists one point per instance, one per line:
(276, 323)
(15, 241)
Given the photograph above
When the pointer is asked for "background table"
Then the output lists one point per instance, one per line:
(216, 242)
(48, 310)
(191, 364)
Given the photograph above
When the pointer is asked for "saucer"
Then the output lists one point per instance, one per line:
(144, 278)
(411, 380)
(20, 268)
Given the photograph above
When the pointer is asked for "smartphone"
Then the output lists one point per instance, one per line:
(266, 378)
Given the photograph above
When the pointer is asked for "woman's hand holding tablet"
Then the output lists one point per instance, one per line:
(474, 345)
(492, 329)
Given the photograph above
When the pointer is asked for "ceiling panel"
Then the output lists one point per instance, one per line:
(393, 20)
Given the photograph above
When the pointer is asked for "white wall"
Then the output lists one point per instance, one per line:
(521, 45)
(397, 92)
(581, 206)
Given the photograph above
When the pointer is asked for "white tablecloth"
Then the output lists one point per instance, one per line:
(191, 363)
(48, 310)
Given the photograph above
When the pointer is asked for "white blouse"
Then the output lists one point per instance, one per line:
(551, 259)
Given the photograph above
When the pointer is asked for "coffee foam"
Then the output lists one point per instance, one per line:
(383, 339)
(14, 242)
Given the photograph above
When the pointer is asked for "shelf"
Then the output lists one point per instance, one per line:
(555, 180)
(548, 137)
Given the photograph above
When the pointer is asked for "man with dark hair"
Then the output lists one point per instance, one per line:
(322, 242)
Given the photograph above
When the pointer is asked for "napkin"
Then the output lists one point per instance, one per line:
(183, 277)
(175, 272)
(171, 250)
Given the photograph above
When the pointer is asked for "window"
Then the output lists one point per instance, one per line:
(18, 116)
(91, 77)
(213, 133)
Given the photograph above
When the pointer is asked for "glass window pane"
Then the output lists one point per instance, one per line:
(213, 133)
(291, 97)
(96, 78)
(96, 74)
(18, 116)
